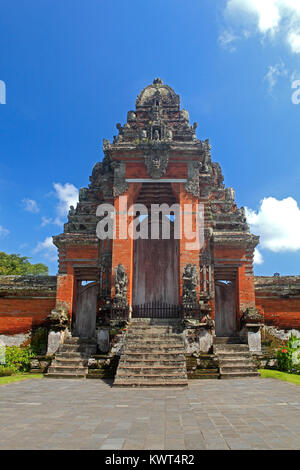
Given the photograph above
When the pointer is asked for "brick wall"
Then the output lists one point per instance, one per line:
(25, 302)
(278, 299)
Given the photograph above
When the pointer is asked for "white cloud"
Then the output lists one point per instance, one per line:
(47, 248)
(45, 221)
(226, 39)
(269, 17)
(258, 258)
(294, 41)
(278, 224)
(3, 231)
(274, 73)
(67, 195)
(30, 205)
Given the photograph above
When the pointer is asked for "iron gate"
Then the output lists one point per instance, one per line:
(156, 310)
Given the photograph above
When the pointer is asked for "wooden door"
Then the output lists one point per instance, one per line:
(86, 309)
(225, 308)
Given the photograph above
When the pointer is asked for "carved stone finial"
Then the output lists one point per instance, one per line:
(158, 81)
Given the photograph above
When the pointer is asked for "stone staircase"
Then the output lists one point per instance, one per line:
(153, 355)
(70, 361)
(235, 359)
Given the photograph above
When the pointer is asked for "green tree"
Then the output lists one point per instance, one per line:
(20, 265)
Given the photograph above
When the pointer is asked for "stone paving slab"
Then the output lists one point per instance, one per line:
(249, 413)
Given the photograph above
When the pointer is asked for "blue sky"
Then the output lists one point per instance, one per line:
(73, 69)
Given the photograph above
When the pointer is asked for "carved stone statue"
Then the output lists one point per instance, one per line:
(96, 174)
(131, 116)
(156, 135)
(83, 194)
(143, 134)
(72, 211)
(59, 317)
(169, 134)
(251, 315)
(121, 281)
(190, 280)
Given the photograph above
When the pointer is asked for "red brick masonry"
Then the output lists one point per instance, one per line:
(26, 301)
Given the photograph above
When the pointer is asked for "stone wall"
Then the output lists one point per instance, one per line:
(25, 303)
(278, 300)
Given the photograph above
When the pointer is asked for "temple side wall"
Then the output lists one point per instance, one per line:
(278, 300)
(25, 303)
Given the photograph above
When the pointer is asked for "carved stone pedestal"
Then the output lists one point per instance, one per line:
(55, 338)
(102, 335)
(253, 332)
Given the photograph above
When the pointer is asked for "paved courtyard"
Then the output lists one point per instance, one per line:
(210, 414)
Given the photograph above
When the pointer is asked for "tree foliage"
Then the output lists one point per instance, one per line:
(19, 265)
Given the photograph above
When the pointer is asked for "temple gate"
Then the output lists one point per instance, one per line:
(156, 159)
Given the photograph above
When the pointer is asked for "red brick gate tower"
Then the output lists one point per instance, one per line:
(157, 159)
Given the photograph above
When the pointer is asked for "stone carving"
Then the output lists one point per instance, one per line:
(120, 184)
(83, 194)
(251, 315)
(192, 184)
(229, 194)
(72, 212)
(95, 178)
(143, 134)
(169, 134)
(156, 154)
(205, 258)
(190, 280)
(131, 116)
(121, 281)
(209, 322)
(107, 149)
(184, 114)
(59, 317)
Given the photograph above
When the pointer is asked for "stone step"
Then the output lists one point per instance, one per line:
(228, 340)
(155, 321)
(236, 362)
(71, 347)
(159, 371)
(153, 349)
(237, 369)
(239, 375)
(155, 342)
(50, 375)
(68, 370)
(62, 361)
(153, 336)
(201, 374)
(162, 329)
(220, 348)
(151, 363)
(70, 355)
(79, 342)
(224, 355)
(154, 356)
